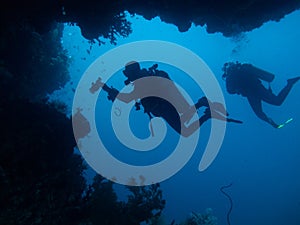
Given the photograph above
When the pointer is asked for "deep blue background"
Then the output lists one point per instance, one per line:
(262, 162)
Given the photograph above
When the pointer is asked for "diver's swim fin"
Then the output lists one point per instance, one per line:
(286, 122)
(217, 115)
(219, 107)
(234, 121)
(292, 81)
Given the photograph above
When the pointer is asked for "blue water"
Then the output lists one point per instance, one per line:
(260, 161)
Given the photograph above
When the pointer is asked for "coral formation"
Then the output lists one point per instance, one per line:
(106, 18)
(41, 179)
(34, 64)
(201, 218)
(144, 203)
(206, 218)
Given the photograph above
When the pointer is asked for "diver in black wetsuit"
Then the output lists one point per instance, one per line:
(159, 107)
(245, 79)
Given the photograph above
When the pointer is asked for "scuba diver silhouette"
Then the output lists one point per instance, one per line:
(159, 107)
(245, 80)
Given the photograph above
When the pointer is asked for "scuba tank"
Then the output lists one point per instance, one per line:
(259, 73)
(240, 77)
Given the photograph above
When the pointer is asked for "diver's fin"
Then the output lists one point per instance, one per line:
(217, 115)
(234, 121)
(292, 81)
(219, 107)
(286, 122)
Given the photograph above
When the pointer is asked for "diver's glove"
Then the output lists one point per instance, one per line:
(112, 94)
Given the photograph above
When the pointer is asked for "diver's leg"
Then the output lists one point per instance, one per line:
(187, 131)
(286, 90)
(208, 114)
(204, 118)
(171, 116)
(270, 98)
(292, 81)
(213, 114)
(190, 129)
(190, 112)
(216, 106)
(256, 106)
(267, 96)
(202, 102)
(187, 115)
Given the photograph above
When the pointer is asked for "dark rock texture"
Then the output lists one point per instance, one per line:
(41, 179)
(105, 18)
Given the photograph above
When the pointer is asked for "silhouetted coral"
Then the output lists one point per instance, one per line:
(144, 203)
(201, 218)
(98, 21)
(32, 64)
(104, 18)
(42, 178)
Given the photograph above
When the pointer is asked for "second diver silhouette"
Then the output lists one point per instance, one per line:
(245, 80)
(159, 107)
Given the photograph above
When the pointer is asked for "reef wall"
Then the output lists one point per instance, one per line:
(102, 18)
(41, 179)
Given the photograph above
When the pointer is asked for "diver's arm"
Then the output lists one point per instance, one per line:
(256, 106)
(114, 93)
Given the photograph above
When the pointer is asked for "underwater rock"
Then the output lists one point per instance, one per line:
(106, 18)
(201, 218)
(228, 17)
(144, 203)
(43, 180)
(36, 64)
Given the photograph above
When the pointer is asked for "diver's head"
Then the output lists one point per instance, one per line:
(225, 71)
(229, 75)
(132, 71)
(229, 67)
